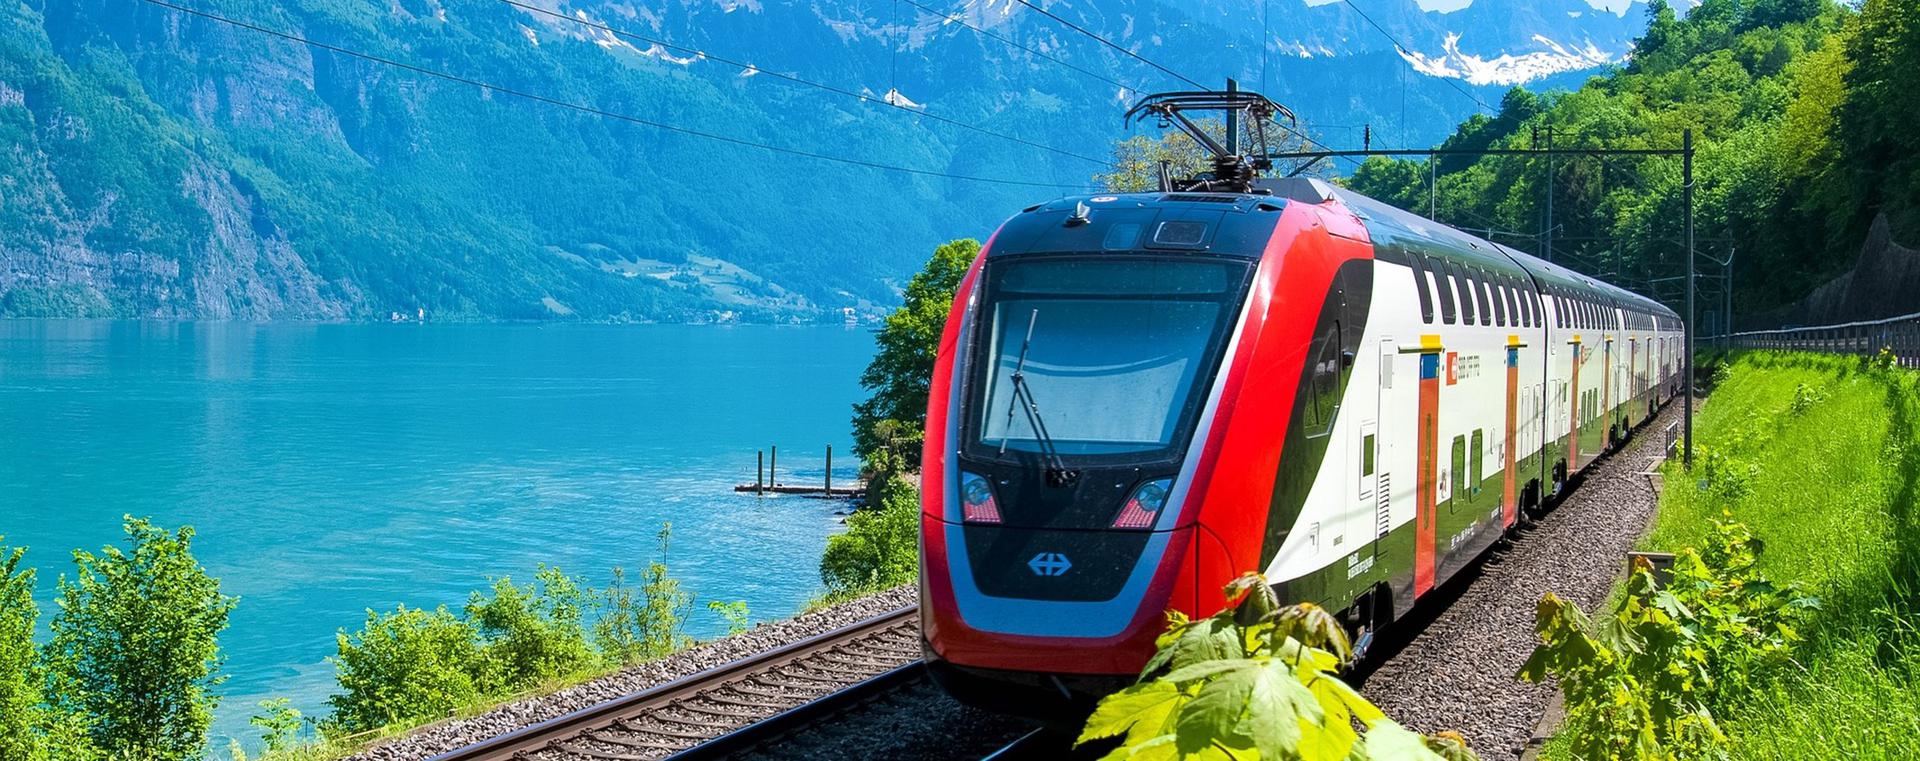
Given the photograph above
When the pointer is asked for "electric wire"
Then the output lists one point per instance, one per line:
(456, 78)
(863, 97)
(957, 19)
(1108, 43)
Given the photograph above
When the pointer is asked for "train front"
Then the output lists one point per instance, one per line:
(1076, 382)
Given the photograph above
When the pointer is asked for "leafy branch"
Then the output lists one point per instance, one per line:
(1255, 681)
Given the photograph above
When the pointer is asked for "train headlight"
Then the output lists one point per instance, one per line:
(976, 500)
(1144, 506)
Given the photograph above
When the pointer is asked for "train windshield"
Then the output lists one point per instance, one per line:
(1098, 358)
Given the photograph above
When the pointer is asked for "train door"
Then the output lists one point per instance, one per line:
(1373, 516)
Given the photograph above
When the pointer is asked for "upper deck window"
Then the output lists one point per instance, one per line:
(1098, 357)
(1421, 288)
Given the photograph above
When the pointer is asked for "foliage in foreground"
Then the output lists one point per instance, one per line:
(134, 661)
(1255, 681)
(1644, 684)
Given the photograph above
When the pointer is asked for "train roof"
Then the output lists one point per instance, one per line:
(1237, 225)
(1397, 233)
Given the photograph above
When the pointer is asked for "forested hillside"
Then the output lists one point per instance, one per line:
(1807, 121)
(162, 164)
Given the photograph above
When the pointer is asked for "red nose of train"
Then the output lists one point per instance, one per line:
(1070, 407)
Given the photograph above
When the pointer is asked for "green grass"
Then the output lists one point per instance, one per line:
(1821, 458)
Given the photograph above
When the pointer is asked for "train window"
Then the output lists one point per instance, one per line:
(1500, 302)
(1366, 455)
(1323, 388)
(1420, 287)
(1532, 300)
(1465, 287)
(1479, 451)
(1445, 291)
(1459, 470)
(1486, 298)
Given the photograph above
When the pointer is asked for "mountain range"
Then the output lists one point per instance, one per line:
(685, 160)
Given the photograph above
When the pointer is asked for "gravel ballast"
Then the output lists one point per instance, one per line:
(440, 738)
(1449, 667)
(1457, 671)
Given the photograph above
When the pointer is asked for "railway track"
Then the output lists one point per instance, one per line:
(727, 709)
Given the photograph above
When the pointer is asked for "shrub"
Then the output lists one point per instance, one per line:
(735, 613)
(1255, 681)
(880, 548)
(533, 634)
(135, 653)
(407, 665)
(1643, 685)
(280, 725)
(647, 624)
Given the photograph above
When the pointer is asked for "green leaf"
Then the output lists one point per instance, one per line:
(1387, 741)
(1273, 715)
(1214, 714)
(1156, 749)
(1144, 705)
(1206, 669)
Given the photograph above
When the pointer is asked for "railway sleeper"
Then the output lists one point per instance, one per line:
(626, 726)
(717, 713)
(597, 736)
(748, 689)
(733, 701)
(567, 747)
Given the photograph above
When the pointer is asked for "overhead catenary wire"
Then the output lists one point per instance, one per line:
(1111, 44)
(958, 19)
(863, 97)
(586, 109)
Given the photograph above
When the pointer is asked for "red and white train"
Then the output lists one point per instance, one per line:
(1139, 397)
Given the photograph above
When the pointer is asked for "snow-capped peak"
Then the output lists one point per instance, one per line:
(1508, 68)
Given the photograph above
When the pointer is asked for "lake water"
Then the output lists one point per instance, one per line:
(330, 469)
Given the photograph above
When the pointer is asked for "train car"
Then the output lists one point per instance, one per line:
(1139, 397)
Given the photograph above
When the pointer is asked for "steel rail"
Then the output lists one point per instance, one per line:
(609, 715)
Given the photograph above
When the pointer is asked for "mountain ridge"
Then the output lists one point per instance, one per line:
(172, 166)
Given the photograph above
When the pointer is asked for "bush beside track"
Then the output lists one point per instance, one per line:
(1819, 456)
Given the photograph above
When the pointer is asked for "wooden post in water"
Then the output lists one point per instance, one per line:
(829, 470)
(773, 467)
(759, 471)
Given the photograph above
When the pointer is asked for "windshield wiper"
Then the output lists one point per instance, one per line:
(1057, 473)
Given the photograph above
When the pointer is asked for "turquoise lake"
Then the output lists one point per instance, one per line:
(332, 469)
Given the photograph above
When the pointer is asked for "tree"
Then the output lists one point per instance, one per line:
(135, 650)
(1137, 159)
(20, 706)
(902, 366)
(1882, 106)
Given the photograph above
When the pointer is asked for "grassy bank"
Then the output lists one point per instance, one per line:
(1820, 456)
